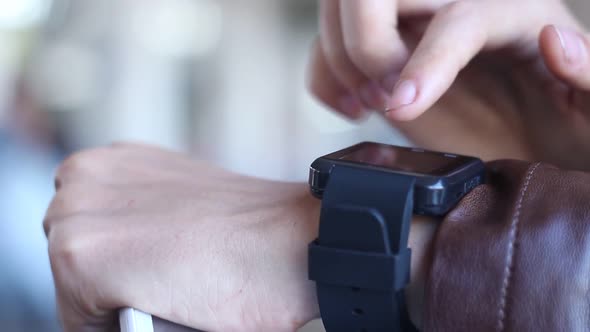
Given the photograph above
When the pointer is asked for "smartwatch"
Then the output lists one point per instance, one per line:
(361, 260)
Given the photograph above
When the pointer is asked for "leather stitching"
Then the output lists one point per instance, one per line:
(509, 261)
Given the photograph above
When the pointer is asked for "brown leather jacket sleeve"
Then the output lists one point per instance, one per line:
(514, 255)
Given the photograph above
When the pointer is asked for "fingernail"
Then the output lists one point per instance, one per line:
(389, 81)
(404, 94)
(350, 105)
(574, 48)
(372, 95)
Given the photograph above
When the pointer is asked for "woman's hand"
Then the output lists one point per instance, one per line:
(502, 78)
(188, 242)
(136, 226)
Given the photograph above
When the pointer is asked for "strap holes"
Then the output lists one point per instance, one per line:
(358, 312)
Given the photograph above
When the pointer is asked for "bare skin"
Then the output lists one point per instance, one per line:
(493, 78)
(138, 226)
(133, 225)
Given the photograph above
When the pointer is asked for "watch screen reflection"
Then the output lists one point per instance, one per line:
(400, 159)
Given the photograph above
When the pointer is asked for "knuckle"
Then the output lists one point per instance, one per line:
(75, 255)
(368, 54)
(73, 164)
(463, 14)
(65, 168)
(68, 203)
(78, 200)
(66, 249)
(73, 246)
(81, 162)
(54, 210)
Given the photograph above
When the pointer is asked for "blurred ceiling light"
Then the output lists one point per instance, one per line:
(22, 14)
(178, 28)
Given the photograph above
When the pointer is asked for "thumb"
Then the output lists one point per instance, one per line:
(566, 52)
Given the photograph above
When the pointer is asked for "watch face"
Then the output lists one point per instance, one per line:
(402, 159)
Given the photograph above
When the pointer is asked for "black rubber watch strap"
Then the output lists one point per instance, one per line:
(361, 261)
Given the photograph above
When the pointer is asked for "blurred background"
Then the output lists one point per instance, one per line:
(223, 80)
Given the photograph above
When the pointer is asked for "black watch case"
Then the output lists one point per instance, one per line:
(442, 179)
